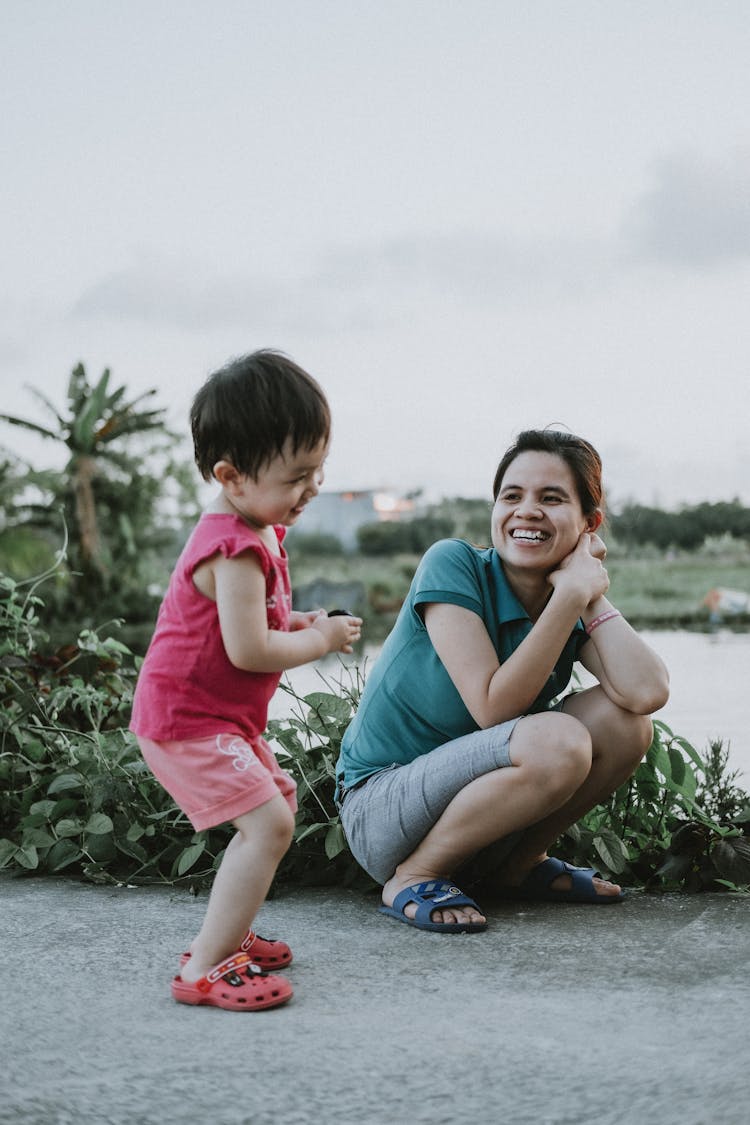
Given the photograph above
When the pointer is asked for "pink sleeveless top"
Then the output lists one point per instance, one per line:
(187, 686)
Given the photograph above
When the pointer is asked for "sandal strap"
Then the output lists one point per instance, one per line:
(433, 895)
(238, 963)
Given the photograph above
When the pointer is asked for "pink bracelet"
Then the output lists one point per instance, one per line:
(606, 616)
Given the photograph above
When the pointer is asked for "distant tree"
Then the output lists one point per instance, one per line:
(393, 537)
(107, 497)
(309, 544)
(688, 528)
(386, 538)
(467, 517)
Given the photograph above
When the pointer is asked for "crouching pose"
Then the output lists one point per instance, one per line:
(458, 743)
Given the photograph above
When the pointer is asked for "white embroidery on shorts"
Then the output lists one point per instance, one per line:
(243, 756)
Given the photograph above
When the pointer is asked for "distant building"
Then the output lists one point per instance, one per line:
(342, 513)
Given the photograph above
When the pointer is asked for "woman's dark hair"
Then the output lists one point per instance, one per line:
(247, 411)
(578, 454)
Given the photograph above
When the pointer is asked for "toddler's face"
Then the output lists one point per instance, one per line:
(283, 487)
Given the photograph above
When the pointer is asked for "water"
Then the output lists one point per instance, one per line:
(710, 688)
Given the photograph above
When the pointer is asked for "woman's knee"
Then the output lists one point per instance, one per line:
(634, 734)
(557, 747)
(616, 734)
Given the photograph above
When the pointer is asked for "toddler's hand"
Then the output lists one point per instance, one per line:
(303, 620)
(340, 632)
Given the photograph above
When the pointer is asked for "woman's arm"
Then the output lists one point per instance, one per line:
(240, 594)
(629, 671)
(494, 692)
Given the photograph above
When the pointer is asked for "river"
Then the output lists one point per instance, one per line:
(710, 688)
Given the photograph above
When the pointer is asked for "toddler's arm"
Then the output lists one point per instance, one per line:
(250, 645)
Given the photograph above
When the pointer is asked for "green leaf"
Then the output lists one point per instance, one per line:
(63, 782)
(677, 765)
(190, 857)
(27, 857)
(42, 808)
(329, 706)
(335, 840)
(33, 749)
(611, 852)
(690, 751)
(303, 833)
(98, 824)
(61, 854)
(7, 851)
(38, 838)
(67, 827)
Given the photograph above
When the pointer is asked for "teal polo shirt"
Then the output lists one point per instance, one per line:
(410, 705)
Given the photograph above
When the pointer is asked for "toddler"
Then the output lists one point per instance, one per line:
(224, 634)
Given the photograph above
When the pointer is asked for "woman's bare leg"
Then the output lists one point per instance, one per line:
(619, 740)
(551, 756)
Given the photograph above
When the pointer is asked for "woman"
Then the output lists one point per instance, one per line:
(458, 744)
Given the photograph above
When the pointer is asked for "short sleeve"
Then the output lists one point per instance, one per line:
(449, 572)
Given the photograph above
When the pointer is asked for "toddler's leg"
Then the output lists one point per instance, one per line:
(241, 884)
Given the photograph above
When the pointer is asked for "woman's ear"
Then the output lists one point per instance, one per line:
(594, 521)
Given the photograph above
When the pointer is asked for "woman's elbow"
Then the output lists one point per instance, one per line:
(649, 697)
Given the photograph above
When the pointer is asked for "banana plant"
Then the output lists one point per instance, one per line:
(95, 418)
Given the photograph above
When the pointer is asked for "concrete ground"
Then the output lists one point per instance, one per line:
(557, 1015)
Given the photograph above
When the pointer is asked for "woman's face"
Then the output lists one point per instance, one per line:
(537, 519)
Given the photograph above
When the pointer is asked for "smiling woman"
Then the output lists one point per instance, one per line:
(458, 746)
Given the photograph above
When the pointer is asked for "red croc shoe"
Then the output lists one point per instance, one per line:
(235, 984)
(265, 952)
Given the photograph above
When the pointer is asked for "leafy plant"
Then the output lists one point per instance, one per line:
(111, 497)
(663, 828)
(308, 743)
(76, 796)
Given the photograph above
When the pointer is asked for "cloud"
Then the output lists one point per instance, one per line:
(696, 214)
(356, 286)
(471, 266)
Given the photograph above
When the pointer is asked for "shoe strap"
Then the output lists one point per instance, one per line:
(239, 962)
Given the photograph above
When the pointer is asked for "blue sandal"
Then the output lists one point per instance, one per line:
(433, 896)
(536, 886)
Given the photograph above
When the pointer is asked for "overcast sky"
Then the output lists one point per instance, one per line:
(464, 217)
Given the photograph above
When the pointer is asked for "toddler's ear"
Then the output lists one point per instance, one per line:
(225, 473)
(594, 521)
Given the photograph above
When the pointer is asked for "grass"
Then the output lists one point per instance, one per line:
(670, 591)
(652, 592)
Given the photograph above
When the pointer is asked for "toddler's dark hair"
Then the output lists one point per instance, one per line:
(579, 455)
(247, 411)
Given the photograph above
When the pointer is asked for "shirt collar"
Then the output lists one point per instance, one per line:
(506, 603)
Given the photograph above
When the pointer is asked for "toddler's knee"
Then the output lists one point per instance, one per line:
(283, 827)
(276, 826)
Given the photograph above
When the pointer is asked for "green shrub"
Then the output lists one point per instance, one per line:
(76, 796)
(678, 822)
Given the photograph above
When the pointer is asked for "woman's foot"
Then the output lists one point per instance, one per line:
(515, 873)
(457, 915)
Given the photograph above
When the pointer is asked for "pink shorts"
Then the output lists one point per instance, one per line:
(214, 780)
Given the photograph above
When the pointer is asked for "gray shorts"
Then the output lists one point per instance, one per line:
(392, 812)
